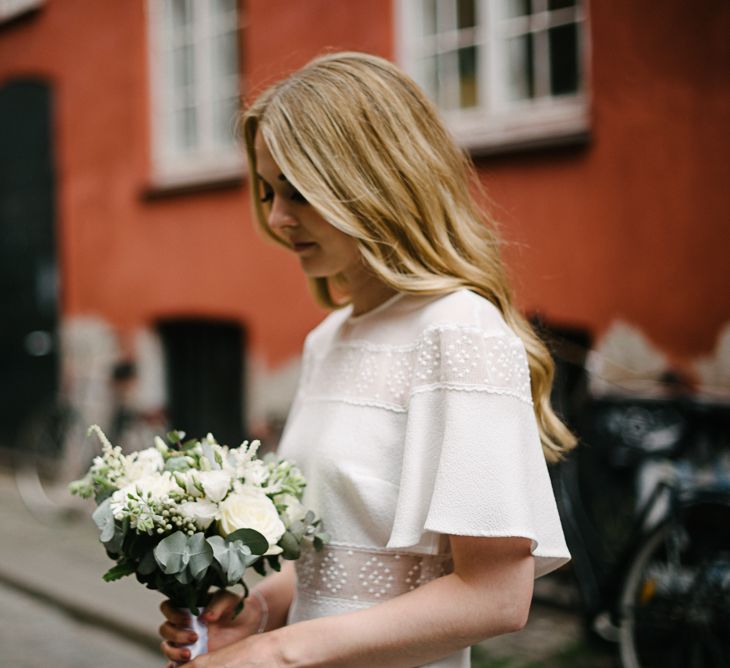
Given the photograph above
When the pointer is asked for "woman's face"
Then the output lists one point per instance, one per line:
(323, 250)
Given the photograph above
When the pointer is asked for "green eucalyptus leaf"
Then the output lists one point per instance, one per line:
(147, 565)
(104, 520)
(115, 543)
(172, 553)
(291, 548)
(236, 566)
(184, 576)
(253, 539)
(201, 555)
(274, 562)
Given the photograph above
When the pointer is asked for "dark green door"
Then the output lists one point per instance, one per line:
(204, 362)
(28, 267)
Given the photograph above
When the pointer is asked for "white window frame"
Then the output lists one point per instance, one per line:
(10, 9)
(209, 162)
(502, 125)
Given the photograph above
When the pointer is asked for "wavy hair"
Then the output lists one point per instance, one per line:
(366, 148)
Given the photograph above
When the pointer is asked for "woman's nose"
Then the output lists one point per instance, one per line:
(280, 217)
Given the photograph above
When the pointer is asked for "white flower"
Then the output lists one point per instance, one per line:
(255, 473)
(142, 464)
(295, 510)
(202, 512)
(191, 480)
(157, 485)
(249, 508)
(216, 484)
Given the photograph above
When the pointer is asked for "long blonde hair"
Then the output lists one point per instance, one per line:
(366, 148)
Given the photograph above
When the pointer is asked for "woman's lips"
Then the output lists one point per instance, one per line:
(300, 247)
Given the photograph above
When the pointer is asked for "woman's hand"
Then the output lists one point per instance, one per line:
(223, 629)
(258, 651)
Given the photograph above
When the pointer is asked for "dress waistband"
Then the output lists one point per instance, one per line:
(357, 574)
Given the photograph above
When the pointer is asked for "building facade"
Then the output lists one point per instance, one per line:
(599, 130)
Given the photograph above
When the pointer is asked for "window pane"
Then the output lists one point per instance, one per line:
(181, 13)
(448, 80)
(186, 136)
(468, 77)
(427, 76)
(466, 14)
(429, 17)
(225, 49)
(560, 4)
(225, 112)
(520, 74)
(183, 67)
(513, 8)
(563, 42)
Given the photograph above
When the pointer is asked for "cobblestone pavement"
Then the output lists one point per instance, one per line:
(552, 638)
(34, 634)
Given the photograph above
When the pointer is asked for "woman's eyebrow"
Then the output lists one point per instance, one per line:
(280, 177)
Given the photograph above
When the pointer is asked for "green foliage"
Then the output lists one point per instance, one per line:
(122, 569)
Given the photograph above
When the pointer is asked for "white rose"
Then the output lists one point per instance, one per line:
(201, 512)
(295, 510)
(249, 508)
(216, 484)
(142, 464)
(157, 485)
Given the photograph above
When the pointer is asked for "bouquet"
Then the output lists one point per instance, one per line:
(185, 516)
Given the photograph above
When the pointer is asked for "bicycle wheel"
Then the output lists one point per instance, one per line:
(53, 452)
(675, 605)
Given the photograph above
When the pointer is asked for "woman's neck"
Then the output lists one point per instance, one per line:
(366, 291)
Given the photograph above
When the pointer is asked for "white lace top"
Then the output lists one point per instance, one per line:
(411, 422)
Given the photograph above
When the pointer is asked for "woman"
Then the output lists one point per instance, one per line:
(423, 403)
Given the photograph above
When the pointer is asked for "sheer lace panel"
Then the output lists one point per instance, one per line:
(461, 358)
(356, 574)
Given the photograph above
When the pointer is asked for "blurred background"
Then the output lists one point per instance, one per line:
(137, 294)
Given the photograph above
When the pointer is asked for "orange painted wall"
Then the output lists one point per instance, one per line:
(634, 224)
(631, 224)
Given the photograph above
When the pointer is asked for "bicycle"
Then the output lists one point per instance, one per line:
(645, 503)
(55, 448)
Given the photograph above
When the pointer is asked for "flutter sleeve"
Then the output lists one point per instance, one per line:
(472, 460)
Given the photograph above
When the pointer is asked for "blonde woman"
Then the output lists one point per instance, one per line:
(422, 420)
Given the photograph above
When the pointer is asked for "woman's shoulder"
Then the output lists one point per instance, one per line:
(409, 318)
(464, 309)
(324, 332)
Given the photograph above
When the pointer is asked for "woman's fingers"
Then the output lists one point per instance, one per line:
(175, 654)
(222, 603)
(177, 634)
(173, 614)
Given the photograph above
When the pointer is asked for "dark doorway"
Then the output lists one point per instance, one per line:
(28, 266)
(205, 369)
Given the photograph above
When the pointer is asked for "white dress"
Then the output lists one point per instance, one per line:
(411, 422)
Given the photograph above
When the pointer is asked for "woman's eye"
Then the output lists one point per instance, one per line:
(267, 195)
(296, 196)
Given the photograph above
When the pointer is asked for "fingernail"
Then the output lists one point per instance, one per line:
(192, 637)
(186, 654)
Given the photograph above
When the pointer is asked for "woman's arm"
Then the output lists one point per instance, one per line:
(488, 594)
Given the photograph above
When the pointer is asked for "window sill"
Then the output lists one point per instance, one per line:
(190, 182)
(561, 124)
(155, 191)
